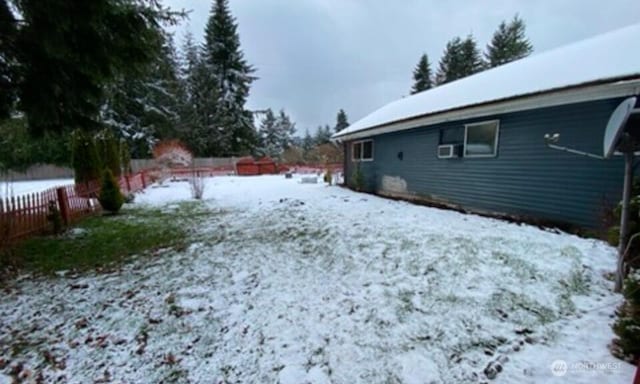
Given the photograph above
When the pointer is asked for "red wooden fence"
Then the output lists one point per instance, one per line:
(26, 215)
(250, 167)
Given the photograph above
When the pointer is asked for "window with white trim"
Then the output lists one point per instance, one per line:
(481, 139)
(362, 150)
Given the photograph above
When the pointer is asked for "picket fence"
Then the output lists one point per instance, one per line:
(26, 215)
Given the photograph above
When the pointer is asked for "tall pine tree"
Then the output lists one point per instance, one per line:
(232, 76)
(471, 58)
(269, 140)
(509, 43)
(198, 112)
(307, 142)
(449, 65)
(275, 133)
(68, 52)
(461, 58)
(342, 121)
(422, 75)
(287, 129)
(8, 67)
(145, 108)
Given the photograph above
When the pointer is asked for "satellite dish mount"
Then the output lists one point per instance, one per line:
(621, 137)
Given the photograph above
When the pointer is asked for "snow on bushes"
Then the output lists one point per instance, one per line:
(172, 153)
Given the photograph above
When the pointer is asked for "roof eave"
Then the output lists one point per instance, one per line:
(598, 90)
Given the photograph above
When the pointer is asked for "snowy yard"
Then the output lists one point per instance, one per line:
(304, 283)
(19, 188)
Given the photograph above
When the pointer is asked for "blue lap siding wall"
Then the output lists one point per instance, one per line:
(525, 179)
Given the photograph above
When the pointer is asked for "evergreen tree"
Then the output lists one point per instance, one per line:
(307, 142)
(109, 152)
(268, 134)
(275, 133)
(8, 67)
(471, 59)
(626, 327)
(323, 135)
(287, 128)
(231, 75)
(422, 75)
(87, 164)
(19, 150)
(509, 43)
(342, 121)
(450, 62)
(69, 51)
(198, 111)
(145, 108)
(327, 132)
(461, 58)
(110, 198)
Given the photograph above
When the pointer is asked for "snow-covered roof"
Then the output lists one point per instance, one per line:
(604, 58)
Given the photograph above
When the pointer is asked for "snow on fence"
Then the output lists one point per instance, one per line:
(26, 215)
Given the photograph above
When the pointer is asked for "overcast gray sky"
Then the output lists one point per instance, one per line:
(316, 56)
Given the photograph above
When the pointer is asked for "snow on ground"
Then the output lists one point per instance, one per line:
(18, 188)
(303, 283)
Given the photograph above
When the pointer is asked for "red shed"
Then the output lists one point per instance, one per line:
(266, 166)
(246, 166)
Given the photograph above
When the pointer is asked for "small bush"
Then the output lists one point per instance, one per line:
(627, 325)
(197, 187)
(85, 157)
(55, 218)
(357, 178)
(110, 198)
(328, 176)
(110, 153)
(129, 198)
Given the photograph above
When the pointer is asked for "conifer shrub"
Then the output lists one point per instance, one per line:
(86, 161)
(110, 198)
(110, 153)
(125, 157)
(627, 326)
(357, 178)
(626, 345)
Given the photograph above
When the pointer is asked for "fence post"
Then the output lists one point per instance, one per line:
(144, 184)
(63, 203)
(126, 179)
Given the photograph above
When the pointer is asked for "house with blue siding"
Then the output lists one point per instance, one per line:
(477, 144)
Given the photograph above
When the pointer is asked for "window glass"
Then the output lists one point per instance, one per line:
(367, 150)
(452, 135)
(481, 139)
(357, 151)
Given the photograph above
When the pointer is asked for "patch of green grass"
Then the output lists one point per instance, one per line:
(101, 241)
(578, 281)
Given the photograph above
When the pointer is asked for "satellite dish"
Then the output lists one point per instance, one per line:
(616, 125)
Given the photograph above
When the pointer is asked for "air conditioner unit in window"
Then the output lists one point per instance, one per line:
(449, 151)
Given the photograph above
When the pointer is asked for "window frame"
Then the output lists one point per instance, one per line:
(495, 141)
(361, 143)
